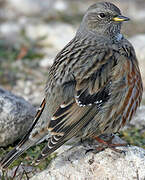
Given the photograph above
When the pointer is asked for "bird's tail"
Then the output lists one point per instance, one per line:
(24, 144)
(11, 156)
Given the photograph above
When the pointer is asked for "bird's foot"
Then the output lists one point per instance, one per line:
(108, 144)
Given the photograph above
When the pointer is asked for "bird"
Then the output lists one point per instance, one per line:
(94, 86)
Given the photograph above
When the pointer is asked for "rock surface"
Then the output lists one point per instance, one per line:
(106, 165)
(16, 115)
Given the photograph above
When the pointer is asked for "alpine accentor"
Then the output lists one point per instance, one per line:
(94, 85)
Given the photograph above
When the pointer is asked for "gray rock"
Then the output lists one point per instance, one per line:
(16, 116)
(75, 163)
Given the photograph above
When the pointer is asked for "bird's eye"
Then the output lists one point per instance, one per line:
(102, 15)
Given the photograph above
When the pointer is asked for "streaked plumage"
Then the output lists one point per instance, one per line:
(94, 85)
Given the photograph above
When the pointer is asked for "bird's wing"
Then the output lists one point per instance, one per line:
(90, 92)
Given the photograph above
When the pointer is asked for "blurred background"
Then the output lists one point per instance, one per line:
(32, 32)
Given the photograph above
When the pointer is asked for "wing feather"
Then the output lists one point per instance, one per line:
(91, 92)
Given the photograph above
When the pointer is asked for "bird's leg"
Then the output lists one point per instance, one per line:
(108, 144)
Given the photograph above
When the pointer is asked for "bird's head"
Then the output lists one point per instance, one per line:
(103, 19)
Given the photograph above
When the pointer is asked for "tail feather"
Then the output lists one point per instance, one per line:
(58, 140)
(10, 157)
(37, 116)
(24, 144)
(48, 149)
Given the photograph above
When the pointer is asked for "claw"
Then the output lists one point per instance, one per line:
(109, 144)
(89, 150)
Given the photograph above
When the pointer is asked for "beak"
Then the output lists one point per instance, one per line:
(120, 18)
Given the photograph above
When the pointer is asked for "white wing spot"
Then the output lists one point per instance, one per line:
(39, 109)
(98, 102)
(63, 105)
(53, 118)
(80, 103)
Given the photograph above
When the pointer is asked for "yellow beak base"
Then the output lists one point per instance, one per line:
(120, 18)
